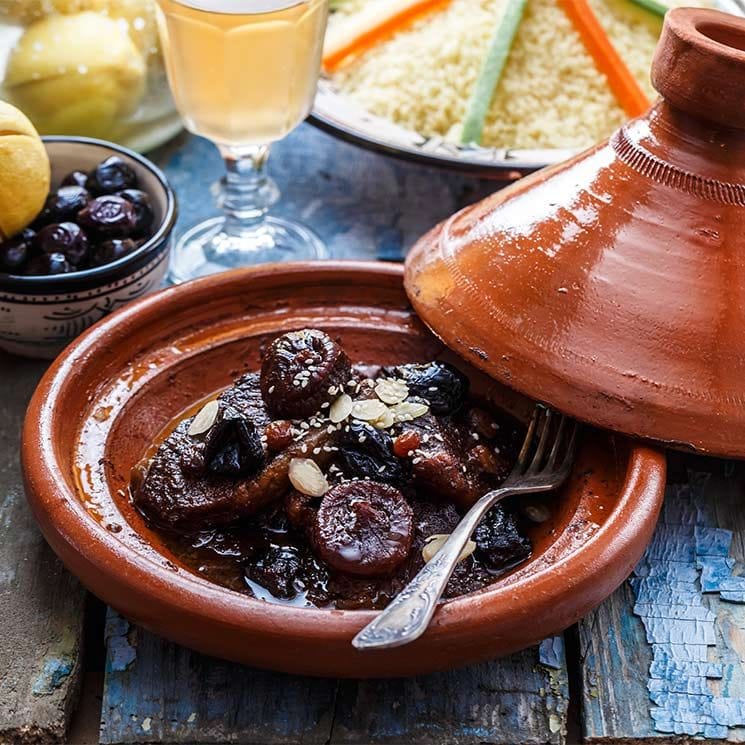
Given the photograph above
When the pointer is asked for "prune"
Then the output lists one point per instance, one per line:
(368, 452)
(65, 238)
(277, 571)
(233, 445)
(54, 263)
(108, 217)
(441, 384)
(300, 371)
(363, 528)
(112, 250)
(75, 178)
(113, 174)
(143, 209)
(64, 204)
(15, 250)
(498, 542)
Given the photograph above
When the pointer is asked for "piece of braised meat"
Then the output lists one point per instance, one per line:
(440, 467)
(186, 486)
(300, 371)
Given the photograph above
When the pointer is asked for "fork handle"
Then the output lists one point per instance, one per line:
(409, 613)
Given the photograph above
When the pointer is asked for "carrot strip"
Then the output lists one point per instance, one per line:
(625, 88)
(385, 24)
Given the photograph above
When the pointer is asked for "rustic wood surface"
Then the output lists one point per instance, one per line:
(41, 605)
(156, 691)
(663, 658)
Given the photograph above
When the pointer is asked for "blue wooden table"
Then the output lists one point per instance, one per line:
(663, 658)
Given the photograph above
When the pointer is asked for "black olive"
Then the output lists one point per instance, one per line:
(143, 209)
(108, 217)
(368, 452)
(233, 445)
(75, 178)
(14, 251)
(112, 175)
(112, 250)
(55, 263)
(498, 542)
(443, 386)
(65, 238)
(64, 204)
(277, 571)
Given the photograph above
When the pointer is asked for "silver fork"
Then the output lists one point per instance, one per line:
(407, 616)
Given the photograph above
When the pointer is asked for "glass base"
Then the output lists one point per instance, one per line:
(206, 249)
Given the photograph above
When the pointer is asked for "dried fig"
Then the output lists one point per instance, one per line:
(300, 371)
(363, 528)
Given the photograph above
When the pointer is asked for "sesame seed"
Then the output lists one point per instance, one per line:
(410, 453)
(475, 435)
(303, 448)
(416, 460)
(381, 469)
(439, 437)
(432, 388)
(362, 438)
(304, 425)
(325, 405)
(316, 451)
(330, 429)
(270, 389)
(332, 390)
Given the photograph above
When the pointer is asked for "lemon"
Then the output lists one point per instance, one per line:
(78, 74)
(24, 171)
(138, 16)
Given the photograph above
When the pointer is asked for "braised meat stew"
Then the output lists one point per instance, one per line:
(319, 482)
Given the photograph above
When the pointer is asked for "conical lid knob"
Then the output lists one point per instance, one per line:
(613, 286)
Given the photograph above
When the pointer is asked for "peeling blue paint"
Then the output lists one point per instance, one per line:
(122, 652)
(678, 585)
(551, 653)
(54, 670)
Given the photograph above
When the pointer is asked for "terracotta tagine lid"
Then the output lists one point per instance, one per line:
(612, 286)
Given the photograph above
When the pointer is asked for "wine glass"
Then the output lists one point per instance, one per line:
(243, 74)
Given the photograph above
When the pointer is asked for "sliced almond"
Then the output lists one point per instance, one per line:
(368, 410)
(204, 419)
(385, 421)
(307, 477)
(341, 408)
(437, 541)
(538, 513)
(408, 410)
(391, 391)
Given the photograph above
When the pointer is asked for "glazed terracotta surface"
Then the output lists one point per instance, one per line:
(613, 286)
(111, 392)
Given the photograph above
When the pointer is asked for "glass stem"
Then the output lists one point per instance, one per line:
(247, 193)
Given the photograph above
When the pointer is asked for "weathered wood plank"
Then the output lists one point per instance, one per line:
(520, 699)
(156, 691)
(665, 657)
(41, 605)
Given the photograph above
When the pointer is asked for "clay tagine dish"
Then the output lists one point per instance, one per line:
(186, 364)
(612, 286)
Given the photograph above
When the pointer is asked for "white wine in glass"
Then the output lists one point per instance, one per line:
(243, 74)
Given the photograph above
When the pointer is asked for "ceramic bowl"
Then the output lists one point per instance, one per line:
(40, 315)
(105, 399)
